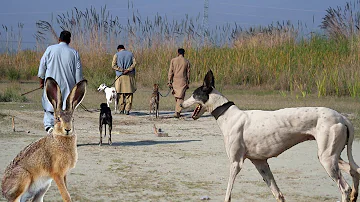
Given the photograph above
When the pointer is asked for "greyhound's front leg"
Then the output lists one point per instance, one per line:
(263, 167)
(236, 153)
(235, 168)
(116, 102)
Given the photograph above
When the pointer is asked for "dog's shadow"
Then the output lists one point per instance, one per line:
(165, 114)
(141, 143)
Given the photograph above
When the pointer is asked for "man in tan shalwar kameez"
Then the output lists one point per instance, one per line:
(124, 65)
(179, 78)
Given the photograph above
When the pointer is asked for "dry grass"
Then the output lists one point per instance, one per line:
(274, 57)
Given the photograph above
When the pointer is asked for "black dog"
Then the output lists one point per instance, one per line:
(105, 118)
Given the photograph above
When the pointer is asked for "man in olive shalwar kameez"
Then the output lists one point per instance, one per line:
(179, 78)
(124, 65)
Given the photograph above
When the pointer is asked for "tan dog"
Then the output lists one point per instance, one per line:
(259, 135)
(31, 172)
(154, 101)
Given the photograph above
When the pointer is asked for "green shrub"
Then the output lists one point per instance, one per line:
(13, 74)
(12, 95)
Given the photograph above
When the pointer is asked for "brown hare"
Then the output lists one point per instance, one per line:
(31, 172)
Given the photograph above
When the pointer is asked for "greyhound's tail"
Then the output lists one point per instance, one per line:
(350, 139)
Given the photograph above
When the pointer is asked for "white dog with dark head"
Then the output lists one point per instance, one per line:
(110, 93)
(259, 135)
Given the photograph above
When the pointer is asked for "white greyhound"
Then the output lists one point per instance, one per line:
(110, 94)
(259, 135)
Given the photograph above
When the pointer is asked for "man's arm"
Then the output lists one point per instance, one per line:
(79, 71)
(42, 69)
(114, 64)
(41, 82)
(171, 74)
(132, 67)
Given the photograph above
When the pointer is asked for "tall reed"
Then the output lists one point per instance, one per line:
(274, 57)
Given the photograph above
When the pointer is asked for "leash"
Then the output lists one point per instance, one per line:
(84, 108)
(31, 91)
(166, 93)
(115, 80)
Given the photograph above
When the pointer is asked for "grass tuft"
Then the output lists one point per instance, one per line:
(12, 94)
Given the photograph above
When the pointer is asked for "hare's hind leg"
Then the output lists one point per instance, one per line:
(21, 194)
(39, 197)
(15, 186)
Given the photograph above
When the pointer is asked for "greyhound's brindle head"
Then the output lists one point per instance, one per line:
(206, 97)
(156, 87)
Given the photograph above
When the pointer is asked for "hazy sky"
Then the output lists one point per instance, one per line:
(243, 12)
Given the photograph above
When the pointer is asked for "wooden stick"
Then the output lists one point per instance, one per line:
(31, 91)
(13, 123)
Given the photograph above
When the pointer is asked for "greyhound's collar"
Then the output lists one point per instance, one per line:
(222, 109)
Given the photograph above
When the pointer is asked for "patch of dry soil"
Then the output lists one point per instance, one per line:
(188, 165)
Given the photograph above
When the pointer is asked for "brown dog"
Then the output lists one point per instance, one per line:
(154, 101)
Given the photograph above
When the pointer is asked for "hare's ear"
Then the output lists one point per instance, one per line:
(76, 95)
(53, 93)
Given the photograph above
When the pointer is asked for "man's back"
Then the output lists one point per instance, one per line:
(63, 64)
(124, 59)
(179, 67)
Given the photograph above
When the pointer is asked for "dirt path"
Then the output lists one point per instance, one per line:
(189, 164)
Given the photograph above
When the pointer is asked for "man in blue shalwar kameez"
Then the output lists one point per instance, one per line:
(63, 64)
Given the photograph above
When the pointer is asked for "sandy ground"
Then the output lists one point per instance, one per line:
(188, 165)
